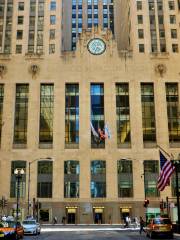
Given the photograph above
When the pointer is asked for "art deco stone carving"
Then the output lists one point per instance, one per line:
(3, 70)
(34, 70)
(160, 69)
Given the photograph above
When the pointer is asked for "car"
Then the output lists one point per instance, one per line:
(11, 230)
(31, 226)
(159, 226)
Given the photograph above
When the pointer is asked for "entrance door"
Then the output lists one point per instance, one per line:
(71, 215)
(71, 218)
(98, 218)
(98, 215)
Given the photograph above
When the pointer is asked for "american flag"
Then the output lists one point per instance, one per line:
(167, 169)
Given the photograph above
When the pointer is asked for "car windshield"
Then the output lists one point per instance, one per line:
(29, 222)
(1, 225)
(9, 224)
(162, 221)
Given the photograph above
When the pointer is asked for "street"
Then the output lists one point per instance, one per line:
(89, 234)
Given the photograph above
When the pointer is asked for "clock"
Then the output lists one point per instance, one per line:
(96, 46)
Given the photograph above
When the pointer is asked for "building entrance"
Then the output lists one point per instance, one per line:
(98, 215)
(71, 215)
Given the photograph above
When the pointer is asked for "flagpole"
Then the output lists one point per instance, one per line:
(163, 151)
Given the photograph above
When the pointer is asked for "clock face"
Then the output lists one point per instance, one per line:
(96, 46)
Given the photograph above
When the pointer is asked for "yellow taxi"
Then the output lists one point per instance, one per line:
(159, 226)
(11, 230)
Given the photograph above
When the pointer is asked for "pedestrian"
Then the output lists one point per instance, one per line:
(136, 222)
(141, 221)
(55, 220)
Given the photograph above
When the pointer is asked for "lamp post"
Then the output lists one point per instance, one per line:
(143, 176)
(177, 169)
(18, 173)
(29, 177)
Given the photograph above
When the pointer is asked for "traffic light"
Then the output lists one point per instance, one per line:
(146, 203)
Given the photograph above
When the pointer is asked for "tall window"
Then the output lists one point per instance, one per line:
(46, 114)
(153, 30)
(2, 10)
(21, 114)
(125, 178)
(98, 179)
(8, 30)
(148, 114)
(44, 181)
(13, 187)
(1, 107)
(71, 179)
(123, 115)
(72, 115)
(151, 173)
(97, 113)
(32, 23)
(172, 99)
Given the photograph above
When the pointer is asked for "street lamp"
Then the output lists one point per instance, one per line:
(18, 173)
(29, 177)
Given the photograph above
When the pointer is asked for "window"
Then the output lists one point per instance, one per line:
(172, 19)
(20, 19)
(172, 98)
(98, 179)
(71, 179)
(52, 34)
(140, 33)
(171, 5)
(18, 49)
(19, 34)
(1, 107)
(148, 114)
(97, 114)
(72, 115)
(46, 113)
(125, 178)
(13, 186)
(162, 33)
(123, 115)
(44, 181)
(53, 5)
(21, 114)
(140, 19)
(141, 48)
(173, 33)
(21, 6)
(51, 48)
(175, 48)
(52, 19)
(151, 173)
(139, 5)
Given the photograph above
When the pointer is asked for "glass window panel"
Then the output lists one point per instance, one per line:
(46, 113)
(44, 181)
(72, 114)
(172, 99)
(148, 112)
(21, 114)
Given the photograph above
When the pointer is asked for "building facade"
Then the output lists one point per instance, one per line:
(54, 105)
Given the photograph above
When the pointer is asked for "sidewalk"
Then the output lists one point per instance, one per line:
(86, 227)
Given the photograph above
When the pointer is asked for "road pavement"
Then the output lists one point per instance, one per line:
(96, 232)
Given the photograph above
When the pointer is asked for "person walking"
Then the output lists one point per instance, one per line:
(141, 221)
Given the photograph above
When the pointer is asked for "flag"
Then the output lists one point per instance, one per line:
(102, 135)
(95, 134)
(167, 169)
(107, 131)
